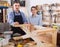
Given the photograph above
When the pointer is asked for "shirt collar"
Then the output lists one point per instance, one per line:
(16, 13)
(35, 15)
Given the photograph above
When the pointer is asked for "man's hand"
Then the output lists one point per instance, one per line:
(16, 23)
(27, 25)
(17, 38)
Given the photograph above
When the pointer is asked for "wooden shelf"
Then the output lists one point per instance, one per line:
(3, 7)
(57, 4)
(44, 10)
(46, 15)
(56, 10)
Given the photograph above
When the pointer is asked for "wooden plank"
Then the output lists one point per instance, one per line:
(57, 4)
(4, 16)
(56, 10)
(54, 38)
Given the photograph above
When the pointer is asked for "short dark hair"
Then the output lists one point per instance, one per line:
(16, 2)
(33, 7)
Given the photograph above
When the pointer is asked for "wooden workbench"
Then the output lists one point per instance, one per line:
(44, 37)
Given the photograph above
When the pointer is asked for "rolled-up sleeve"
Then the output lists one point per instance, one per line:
(10, 18)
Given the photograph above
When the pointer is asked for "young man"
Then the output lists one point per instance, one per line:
(35, 19)
(16, 17)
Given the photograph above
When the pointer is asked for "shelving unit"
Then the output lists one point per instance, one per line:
(51, 13)
(3, 6)
(46, 14)
(3, 13)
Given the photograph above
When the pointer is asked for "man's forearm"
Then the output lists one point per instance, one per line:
(25, 36)
(21, 37)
